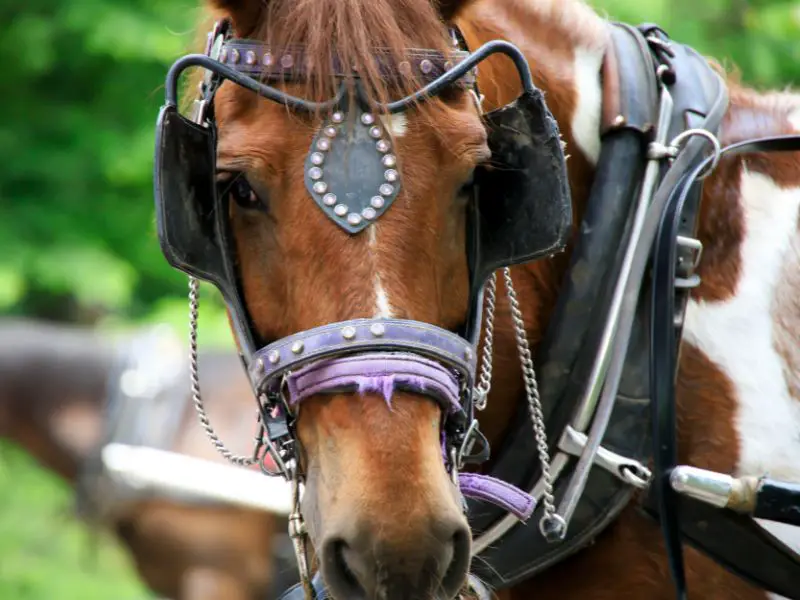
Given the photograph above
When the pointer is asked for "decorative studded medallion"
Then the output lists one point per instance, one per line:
(351, 171)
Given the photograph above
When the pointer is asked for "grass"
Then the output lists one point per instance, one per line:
(45, 553)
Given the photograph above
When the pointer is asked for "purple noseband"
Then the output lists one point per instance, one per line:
(385, 372)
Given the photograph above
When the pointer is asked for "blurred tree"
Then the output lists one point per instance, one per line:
(77, 232)
(79, 101)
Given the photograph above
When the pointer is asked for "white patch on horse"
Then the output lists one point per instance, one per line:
(794, 119)
(396, 124)
(383, 308)
(737, 335)
(586, 120)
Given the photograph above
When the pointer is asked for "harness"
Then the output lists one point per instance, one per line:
(146, 402)
(608, 362)
(665, 92)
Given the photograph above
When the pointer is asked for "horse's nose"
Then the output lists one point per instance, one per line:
(424, 563)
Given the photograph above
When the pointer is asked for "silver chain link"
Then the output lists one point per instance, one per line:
(551, 521)
(485, 378)
(197, 399)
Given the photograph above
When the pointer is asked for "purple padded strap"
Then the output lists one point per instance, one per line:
(386, 372)
(359, 336)
(376, 372)
(498, 492)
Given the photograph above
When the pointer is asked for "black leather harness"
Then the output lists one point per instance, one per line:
(642, 425)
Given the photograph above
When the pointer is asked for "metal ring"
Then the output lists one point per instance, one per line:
(685, 135)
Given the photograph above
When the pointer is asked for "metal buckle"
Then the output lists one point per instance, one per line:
(628, 470)
(464, 454)
(690, 250)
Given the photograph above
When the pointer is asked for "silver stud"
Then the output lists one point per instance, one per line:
(298, 347)
(329, 199)
(448, 64)
(250, 57)
(315, 173)
(354, 218)
(320, 187)
(382, 146)
(223, 55)
(390, 160)
(376, 202)
(235, 56)
(323, 144)
(337, 117)
(274, 357)
(330, 131)
(390, 175)
(259, 366)
(287, 61)
(349, 332)
(375, 132)
(368, 213)
(367, 119)
(377, 329)
(340, 210)
(405, 68)
(386, 189)
(267, 60)
(467, 354)
(426, 66)
(317, 158)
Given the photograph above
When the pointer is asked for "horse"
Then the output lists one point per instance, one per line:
(515, 288)
(55, 382)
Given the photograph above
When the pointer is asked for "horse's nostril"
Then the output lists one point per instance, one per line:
(458, 565)
(339, 571)
(365, 566)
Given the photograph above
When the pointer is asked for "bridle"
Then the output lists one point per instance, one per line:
(528, 217)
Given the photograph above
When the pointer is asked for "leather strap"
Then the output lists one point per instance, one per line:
(667, 319)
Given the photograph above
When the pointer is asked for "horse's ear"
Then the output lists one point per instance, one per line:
(244, 14)
(450, 9)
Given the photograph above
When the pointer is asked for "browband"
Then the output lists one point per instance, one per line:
(255, 58)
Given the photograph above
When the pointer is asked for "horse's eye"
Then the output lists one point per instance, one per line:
(241, 192)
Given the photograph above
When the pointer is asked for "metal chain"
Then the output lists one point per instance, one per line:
(485, 378)
(551, 522)
(197, 399)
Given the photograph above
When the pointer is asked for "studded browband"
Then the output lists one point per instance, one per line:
(256, 58)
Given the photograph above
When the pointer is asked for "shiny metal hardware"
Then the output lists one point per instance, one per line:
(710, 487)
(630, 471)
(299, 536)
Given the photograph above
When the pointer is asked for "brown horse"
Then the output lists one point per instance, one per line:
(379, 501)
(54, 385)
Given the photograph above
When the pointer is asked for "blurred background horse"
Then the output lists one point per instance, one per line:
(66, 392)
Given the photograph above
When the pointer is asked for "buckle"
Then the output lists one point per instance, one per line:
(690, 250)
(465, 454)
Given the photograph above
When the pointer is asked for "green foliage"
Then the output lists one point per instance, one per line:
(44, 554)
(757, 37)
(77, 237)
(76, 146)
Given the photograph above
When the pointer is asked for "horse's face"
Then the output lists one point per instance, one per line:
(381, 508)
